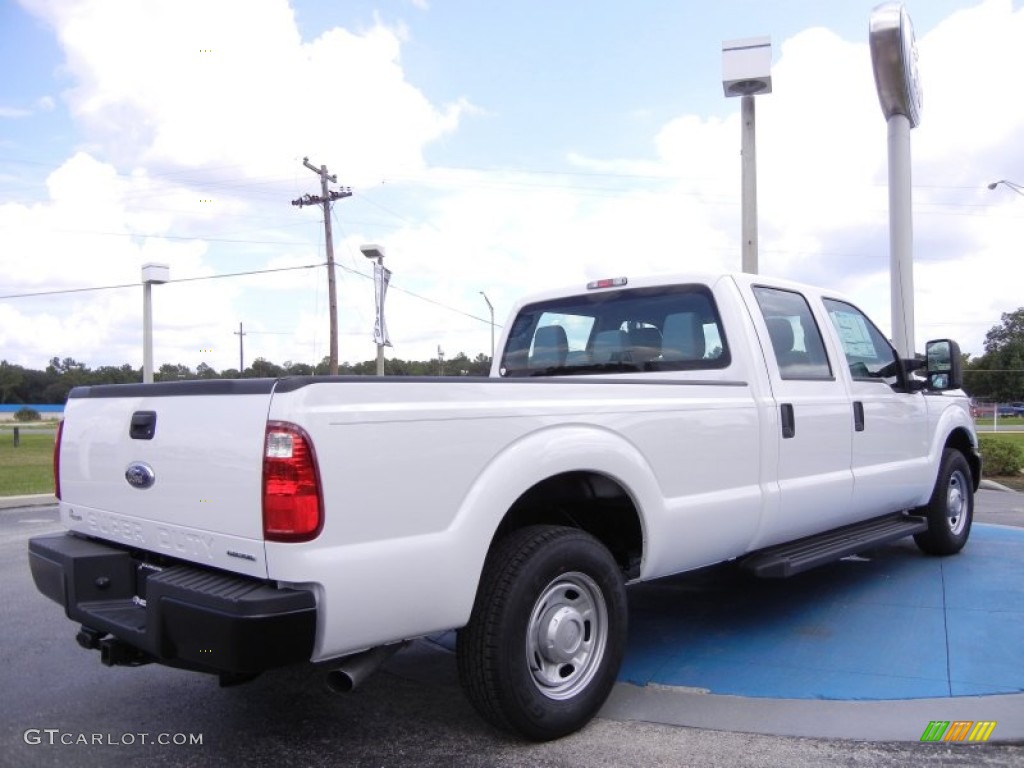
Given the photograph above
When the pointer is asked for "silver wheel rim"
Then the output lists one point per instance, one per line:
(956, 503)
(566, 636)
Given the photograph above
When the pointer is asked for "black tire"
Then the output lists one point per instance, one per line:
(950, 511)
(548, 630)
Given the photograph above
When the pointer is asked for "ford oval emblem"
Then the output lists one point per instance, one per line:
(140, 475)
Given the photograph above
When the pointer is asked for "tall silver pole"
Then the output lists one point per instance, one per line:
(147, 333)
(901, 236)
(749, 195)
(894, 61)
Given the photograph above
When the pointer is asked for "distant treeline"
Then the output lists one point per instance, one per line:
(30, 386)
(996, 376)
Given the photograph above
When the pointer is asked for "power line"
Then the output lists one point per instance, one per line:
(415, 295)
(177, 237)
(393, 287)
(175, 280)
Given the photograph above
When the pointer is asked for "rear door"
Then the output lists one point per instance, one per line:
(815, 480)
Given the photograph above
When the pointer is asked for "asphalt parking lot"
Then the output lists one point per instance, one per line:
(412, 713)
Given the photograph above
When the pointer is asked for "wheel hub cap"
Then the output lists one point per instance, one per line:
(566, 635)
(562, 633)
(957, 502)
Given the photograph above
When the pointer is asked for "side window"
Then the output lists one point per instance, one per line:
(867, 352)
(796, 339)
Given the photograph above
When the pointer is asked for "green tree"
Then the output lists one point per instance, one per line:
(11, 377)
(262, 368)
(297, 369)
(170, 372)
(110, 374)
(67, 365)
(203, 371)
(33, 387)
(999, 373)
(62, 376)
(1010, 333)
(481, 365)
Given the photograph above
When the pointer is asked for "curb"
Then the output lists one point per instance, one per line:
(34, 500)
(898, 720)
(992, 485)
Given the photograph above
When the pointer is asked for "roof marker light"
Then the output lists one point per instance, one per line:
(607, 282)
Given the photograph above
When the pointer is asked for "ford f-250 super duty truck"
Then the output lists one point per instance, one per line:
(629, 430)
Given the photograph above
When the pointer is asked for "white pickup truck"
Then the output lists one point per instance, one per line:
(629, 430)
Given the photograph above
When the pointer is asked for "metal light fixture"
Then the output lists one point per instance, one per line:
(1018, 188)
(746, 72)
(380, 285)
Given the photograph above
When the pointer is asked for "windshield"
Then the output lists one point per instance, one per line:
(640, 329)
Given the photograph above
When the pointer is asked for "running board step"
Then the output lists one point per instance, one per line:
(804, 554)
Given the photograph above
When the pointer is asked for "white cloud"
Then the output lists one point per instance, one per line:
(198, 84)
(234, 123)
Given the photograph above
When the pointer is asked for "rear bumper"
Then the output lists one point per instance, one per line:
(181, 615)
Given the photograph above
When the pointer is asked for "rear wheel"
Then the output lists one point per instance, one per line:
(951, 508)
(546, 637)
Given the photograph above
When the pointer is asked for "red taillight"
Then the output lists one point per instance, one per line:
(292, 506)
(56, 458)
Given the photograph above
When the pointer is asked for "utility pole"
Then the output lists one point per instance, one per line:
(440, 361)
(325, 199)
(241, 354)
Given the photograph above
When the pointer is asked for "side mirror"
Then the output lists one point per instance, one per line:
(945, 365)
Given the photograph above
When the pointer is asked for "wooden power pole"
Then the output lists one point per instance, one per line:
(326, 198)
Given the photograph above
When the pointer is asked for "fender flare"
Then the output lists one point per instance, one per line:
(530, 460)
(952, 421)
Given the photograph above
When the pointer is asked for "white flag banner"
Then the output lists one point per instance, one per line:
(381, 278)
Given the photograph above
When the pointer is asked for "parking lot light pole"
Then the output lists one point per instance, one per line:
(491, 308)
(376, 253)
(152, 274)
(1018, 188)
(746, 72)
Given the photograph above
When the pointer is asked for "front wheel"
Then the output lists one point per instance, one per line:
(544, 642)
(951, 508)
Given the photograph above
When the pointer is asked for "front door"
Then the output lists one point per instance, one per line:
(890, 439)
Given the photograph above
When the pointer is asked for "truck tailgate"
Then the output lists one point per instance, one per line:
(184, 482)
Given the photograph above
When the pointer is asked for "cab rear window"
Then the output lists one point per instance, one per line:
(674, 328)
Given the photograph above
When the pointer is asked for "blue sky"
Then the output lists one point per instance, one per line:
(498, 147)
